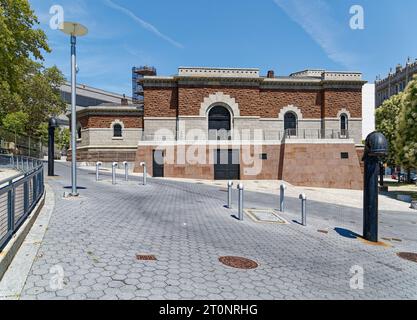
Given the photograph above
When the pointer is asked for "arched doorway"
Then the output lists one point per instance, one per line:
(290, 124)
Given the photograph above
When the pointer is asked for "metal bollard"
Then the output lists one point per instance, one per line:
(240, 187)
(283, 187)
(229, 194)
(303, 199)
(143, 164)
(114, 166)
(126, 165)
(98, 165)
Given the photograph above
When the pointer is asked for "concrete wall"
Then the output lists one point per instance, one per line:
(368, 109)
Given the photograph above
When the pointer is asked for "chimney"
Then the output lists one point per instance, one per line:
(124, 100)
(271, 74)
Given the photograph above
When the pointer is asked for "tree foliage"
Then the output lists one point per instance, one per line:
(386, 123)
(25, 84)
(406, 137)
(16, 122)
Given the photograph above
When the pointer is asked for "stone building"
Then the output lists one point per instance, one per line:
(224, 123)
(395, 82)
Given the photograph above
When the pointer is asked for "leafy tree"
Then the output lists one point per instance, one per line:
(25, 85)
(386, 123)
(19, 42)
(16, 122)
(41, 95)
(406, 138)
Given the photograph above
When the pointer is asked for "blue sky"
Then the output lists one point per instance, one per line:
(283, 35)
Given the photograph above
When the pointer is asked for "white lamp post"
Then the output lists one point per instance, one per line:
(74, 30)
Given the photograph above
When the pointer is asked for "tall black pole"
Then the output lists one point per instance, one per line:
(51, 146)
(370, 199)
(376, 148)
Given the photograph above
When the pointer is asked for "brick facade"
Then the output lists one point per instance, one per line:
(161, 102)
(264, 103)
(105, 121)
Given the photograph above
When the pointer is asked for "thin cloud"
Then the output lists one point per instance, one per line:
(142, 23)
(316, 19)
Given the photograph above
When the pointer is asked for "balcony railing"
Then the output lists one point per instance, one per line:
(248, 135)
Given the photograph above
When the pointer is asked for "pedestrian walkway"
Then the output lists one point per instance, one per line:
(92, 244)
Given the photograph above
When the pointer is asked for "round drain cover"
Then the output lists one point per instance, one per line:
(238, 262)
(408, 256)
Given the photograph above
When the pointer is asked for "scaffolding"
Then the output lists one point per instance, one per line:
(139, 73)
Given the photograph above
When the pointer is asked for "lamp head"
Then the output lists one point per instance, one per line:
(73, 29)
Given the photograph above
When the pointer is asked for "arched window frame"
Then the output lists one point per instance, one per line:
(344, 124)
(114, 125)
(291, 131)
(219, 135)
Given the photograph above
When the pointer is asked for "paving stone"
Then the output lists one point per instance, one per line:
(96, 238)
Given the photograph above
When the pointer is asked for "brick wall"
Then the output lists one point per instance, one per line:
(266, 103)
(161, 102)
(105, 121)
(272, 101)
(190, 99)
(335, 100)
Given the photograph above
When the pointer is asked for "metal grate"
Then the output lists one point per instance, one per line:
(19, 203)
(238, 262)
(142, 257)
(410, 256)
(3, 215)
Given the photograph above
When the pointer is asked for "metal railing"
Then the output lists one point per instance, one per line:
(248, 135)
(18, 144)
(19, 194)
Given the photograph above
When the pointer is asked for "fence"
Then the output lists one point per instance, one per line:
(11, 143)
(19, 194)
(245, 135)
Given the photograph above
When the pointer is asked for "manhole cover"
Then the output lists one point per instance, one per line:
(143, 257)
(238, 262)
(265, 215)
(408, 256)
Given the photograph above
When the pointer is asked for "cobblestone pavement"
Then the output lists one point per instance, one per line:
(95, 240)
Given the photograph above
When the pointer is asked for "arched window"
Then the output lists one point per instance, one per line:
(344, 124)
(290, 123)
(219, 123)
(117, 130)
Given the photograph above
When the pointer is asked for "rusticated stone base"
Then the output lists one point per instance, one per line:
(105, 156)
(301, 164)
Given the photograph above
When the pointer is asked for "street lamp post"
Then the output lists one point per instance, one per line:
(74, 30)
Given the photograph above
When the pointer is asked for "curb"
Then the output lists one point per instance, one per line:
(11, 249)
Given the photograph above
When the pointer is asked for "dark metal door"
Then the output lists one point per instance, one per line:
(158, 163)
(227, 165)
